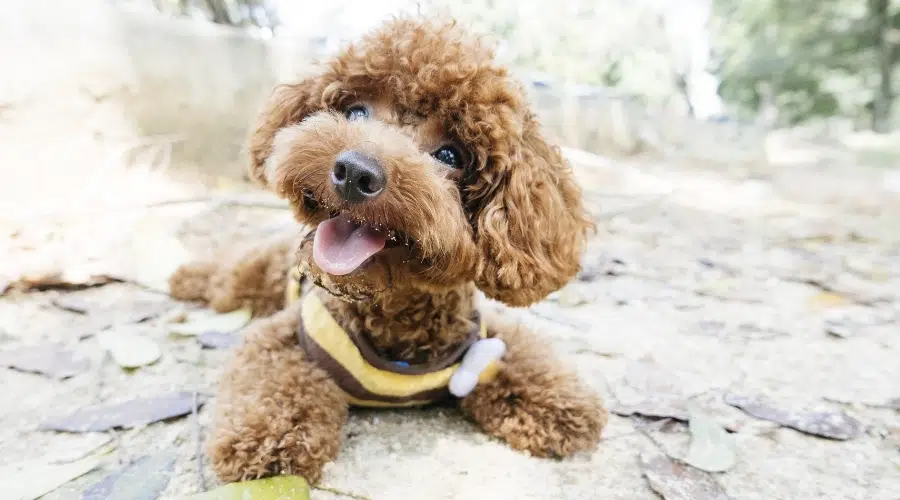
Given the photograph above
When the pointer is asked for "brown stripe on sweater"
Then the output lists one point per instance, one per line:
(369, 354)
(349, 384)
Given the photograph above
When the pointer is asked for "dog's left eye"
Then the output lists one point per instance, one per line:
(449, 156)
(357, 112)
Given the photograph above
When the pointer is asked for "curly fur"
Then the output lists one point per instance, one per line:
(510, 223)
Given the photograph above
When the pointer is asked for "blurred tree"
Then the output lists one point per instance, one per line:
(238, 13)
(620, 44)
(786, 61)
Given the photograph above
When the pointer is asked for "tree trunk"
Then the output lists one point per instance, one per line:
(684, 89)
(219, 12)
(884, 94)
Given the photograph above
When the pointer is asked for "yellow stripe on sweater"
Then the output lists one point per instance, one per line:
(325, 331)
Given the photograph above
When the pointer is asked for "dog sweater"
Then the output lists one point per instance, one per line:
(369, 380)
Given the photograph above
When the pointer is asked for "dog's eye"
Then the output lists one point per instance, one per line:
(449, 156)
(357, 112)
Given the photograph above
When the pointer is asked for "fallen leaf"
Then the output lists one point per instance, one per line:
(675, 481)
(198, 322)
(825, 300)
(72, 304)
(833, 425)
(217, 340)
(128, 349)
(34, 478)
(273, 488)
(58, 280)
(838, 329)
(51, 359)
(712, 448)
(103, 308)
(655, 407)
(569, 298)
(125, 415)
(144, 479)
(665, 407)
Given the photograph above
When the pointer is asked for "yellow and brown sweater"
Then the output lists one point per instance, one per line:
(368, 379)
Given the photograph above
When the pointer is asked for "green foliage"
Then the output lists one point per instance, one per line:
(620, 44)
(801, 59)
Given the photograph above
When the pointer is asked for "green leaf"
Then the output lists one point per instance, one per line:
(200, 322)
(273, 488)
(144, 479)
(712, 448)
(34, 478)
(128, 349)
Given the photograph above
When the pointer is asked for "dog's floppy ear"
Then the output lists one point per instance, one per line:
(532, 231)
(287, 104)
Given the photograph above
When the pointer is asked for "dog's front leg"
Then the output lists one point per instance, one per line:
(253, 276)
(534, 404)
(275, 411)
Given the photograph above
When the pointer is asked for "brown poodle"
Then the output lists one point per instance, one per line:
(420, 174)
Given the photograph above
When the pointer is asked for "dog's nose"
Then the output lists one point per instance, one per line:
(357, 178)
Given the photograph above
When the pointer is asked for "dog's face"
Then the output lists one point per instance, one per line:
(419, 164)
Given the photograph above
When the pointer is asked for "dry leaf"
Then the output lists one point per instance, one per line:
(569, 297)
(144, 479)
(833, 425)
(273, 488)
(199, 322)
(73, 304)
(838, 329)
(52, 360)
(712, 448)
(34, 478)
(666, 407)
(128, 349)
(676, 481)
(827, 300)
(58, 280)
(216, 340)
(655, 407)
(126, 415)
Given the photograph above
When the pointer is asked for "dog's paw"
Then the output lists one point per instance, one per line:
(549, 424)
(191, 281)
(237, 457)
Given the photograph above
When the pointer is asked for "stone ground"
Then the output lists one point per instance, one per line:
(699, 282)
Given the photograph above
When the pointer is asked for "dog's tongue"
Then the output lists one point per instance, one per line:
(341, 245)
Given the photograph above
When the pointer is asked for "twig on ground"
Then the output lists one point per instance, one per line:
(98, 387)
(824, 287)
(198, 451)
(336, 491)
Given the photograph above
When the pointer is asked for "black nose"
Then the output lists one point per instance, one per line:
(356, 177)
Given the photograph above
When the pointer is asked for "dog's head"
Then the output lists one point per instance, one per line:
(417, 160)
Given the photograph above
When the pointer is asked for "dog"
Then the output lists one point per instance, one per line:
(419, 175)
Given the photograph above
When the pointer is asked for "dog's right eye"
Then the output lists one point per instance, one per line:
(357, 112)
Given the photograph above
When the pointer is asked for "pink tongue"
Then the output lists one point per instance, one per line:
(341, 245)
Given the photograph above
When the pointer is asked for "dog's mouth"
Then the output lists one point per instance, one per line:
(342, 244)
